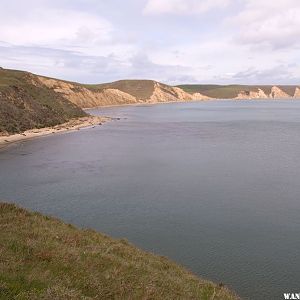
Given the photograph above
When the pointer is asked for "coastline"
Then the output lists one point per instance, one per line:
(150, 103)
(190, 101)
(91, 120)
(72, 125)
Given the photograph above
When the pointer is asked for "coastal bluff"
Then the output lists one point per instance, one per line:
(244, 92)
(119, 92)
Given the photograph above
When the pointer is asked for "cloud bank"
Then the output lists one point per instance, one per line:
(174, 41)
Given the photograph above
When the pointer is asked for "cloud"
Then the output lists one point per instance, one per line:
(182, 7)
(55, 27)
(65, 64)
(279, 74)
(143, 67)
(268, 23)
(76, 66)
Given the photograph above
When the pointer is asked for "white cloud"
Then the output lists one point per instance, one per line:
(179, 7)
(143, 67)
(60, 28)
(64, 64)
(274, 75)
(53, 27)
(221, 61)
(274, 24)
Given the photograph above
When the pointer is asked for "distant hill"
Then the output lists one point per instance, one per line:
(243, 91)
(150, 91)
(140, 89)
(25, 103)
(44, 258)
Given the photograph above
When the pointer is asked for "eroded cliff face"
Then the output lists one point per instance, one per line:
(259, 94)
(88, 98)
(277, 93)
(198, 96)
(163, 93)
(297, 93)
(144, 91)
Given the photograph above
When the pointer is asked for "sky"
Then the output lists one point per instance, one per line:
(173, 41)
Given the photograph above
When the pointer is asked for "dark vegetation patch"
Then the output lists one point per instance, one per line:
(24, 105)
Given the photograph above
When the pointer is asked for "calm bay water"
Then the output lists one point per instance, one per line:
(215, 186)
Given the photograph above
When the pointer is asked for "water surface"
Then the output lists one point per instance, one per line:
(213, 185)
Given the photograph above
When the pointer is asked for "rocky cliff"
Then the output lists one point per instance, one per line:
(244, 91)
(275, 93)
(118, 93)
(259, 94)
(297, 93)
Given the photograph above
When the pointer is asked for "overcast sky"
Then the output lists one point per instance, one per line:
(174, 41)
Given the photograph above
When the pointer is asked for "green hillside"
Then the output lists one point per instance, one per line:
(44, 258)
(141, 89)
(24, 104)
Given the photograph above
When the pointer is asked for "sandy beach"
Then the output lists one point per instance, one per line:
(74, 124)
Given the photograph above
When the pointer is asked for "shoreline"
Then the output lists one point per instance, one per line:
(92, 120)
(72, 125)
(150, 103)
(190, 101)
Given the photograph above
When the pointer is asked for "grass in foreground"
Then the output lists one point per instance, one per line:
(44, 258)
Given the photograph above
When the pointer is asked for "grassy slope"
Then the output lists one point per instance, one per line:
(44, 258)
(141, 89)
(24, 105)
(231, 91)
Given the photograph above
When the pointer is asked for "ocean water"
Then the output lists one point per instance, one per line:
(214, 186)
